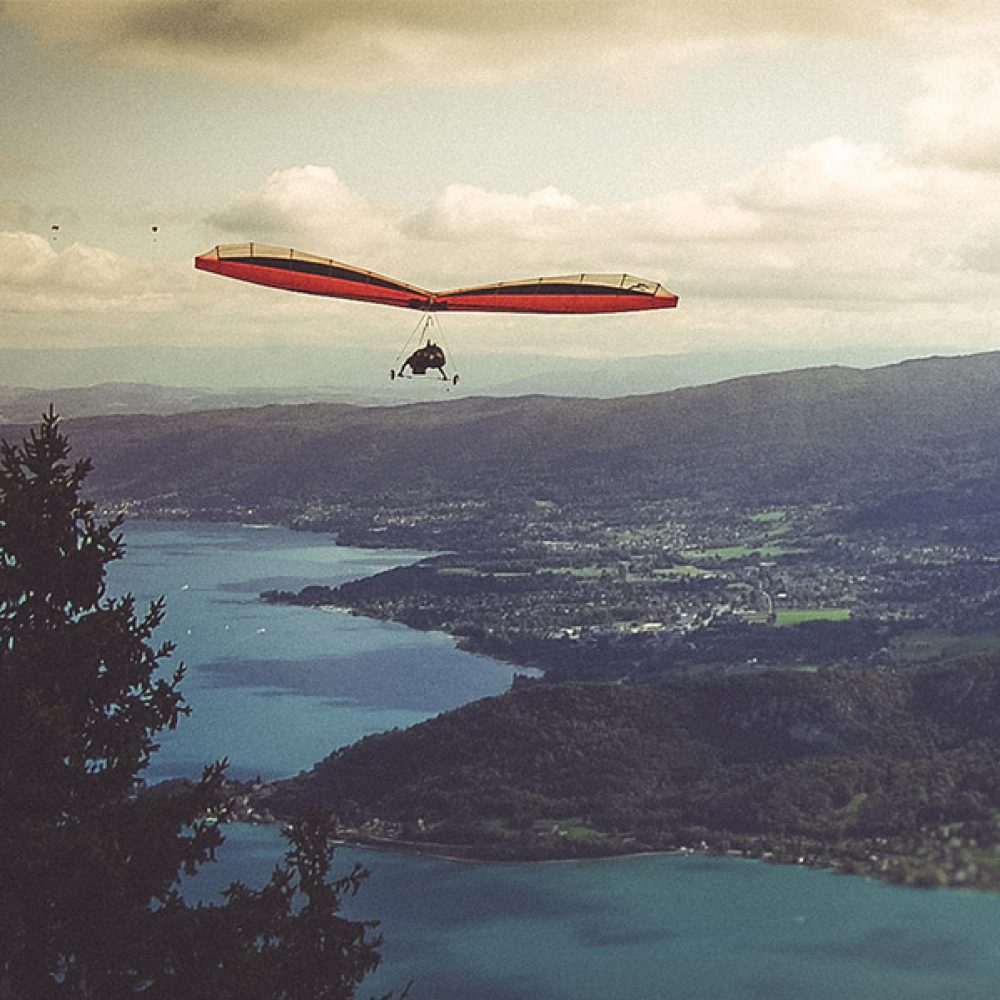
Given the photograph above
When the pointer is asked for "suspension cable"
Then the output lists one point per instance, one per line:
(445, 346)
(417, 334)
(426, 326)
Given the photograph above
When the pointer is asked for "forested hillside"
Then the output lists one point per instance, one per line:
(890, 771)
(926, 431)
(869, 767)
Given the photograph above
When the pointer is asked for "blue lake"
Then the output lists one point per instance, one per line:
(655, 928)
(276, 688)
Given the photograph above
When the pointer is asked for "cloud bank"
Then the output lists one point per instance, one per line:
(54, 283)
(834, 220)
(957, 120)
(369, 44)
(831, 239)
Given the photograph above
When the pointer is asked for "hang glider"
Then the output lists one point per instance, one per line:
(280, 267)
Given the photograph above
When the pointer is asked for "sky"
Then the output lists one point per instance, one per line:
(807, 176)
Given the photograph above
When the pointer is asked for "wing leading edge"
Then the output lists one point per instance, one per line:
(280, 267)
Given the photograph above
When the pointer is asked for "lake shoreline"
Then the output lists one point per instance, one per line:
(938, 864)
(935, 865)
(884, 869)
(537, 928)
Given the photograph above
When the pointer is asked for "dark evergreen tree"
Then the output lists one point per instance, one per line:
(90, 866)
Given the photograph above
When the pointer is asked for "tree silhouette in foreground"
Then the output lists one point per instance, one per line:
(89, 867)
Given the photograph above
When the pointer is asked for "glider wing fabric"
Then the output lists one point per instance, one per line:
(295, 271)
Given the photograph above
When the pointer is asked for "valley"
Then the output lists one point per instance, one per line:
(749, 604)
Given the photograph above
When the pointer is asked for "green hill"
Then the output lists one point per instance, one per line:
(900, 440)
(839, 766)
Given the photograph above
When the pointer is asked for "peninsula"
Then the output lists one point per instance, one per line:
(766, 610)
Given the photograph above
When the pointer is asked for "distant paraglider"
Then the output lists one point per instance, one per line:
(280, 267)
(56, 228)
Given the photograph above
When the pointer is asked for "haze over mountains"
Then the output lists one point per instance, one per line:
(18, 403)
(928, 430)
(79, 384)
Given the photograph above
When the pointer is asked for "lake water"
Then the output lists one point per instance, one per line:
(276, 688)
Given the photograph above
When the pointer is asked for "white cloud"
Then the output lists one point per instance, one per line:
(308, 206)
(957, 119)
(831, 242)
(835, 221)
(834, 240)
(841, 224)
(37, 277)
(834, 176)
(465, 212)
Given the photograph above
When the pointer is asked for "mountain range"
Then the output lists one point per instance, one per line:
(925, 430)
(165, 381)
(23, 403)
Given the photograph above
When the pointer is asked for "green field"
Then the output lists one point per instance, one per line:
(472, 571)
(681, 571)
(768, 516)
(591, 572)
(795, 616)
(572, 829)
(933, 644)
(587, 572)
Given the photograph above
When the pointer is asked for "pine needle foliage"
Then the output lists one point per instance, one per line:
(90, 866)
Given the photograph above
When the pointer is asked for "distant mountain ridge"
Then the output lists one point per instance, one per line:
(833, 433)
(171, 380)
(19, 404)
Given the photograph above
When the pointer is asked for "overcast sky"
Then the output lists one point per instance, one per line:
(823, 175)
